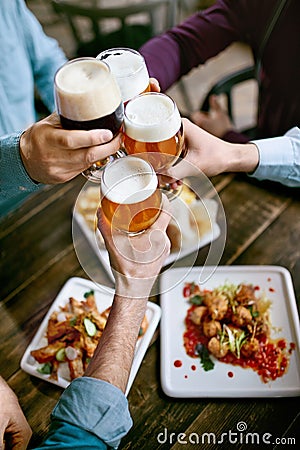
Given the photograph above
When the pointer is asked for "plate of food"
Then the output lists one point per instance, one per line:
(236, 334)
(67, 337)
(193, 224)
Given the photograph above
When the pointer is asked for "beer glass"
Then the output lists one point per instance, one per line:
(130, 198)
(129, 69)
(88, 97)
(153, 130)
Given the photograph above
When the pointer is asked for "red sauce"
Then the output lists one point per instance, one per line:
(177, 363)
(185, 376)
(256, 288)
(193, 367)
(270, 362)
(271, 289)
(269, 279)
(230, 374)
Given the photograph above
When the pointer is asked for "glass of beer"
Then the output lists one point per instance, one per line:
(153, 130)
(129, 69)
(88, 97)
(130, 197)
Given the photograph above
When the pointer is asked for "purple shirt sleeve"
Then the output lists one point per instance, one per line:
(200, 37)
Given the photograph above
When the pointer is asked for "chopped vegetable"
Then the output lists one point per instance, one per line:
(46, 368)
(196, 299)
(71, 353)
(61, 355)
(90, 327)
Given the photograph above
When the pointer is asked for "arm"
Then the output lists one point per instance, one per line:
(93, 411)
(194, 41)
(276, 159)
(14, 428)
(44, 52)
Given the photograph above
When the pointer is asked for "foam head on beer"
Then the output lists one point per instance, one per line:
(130, 198)
(85, 90)
(151, 117)
(130, 70)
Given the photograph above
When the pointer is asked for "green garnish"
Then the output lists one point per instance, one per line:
(254, 314)
(205, 360)
(90, 327)
(46, 368)
(87, 294)
(196, 300)
(73, 321)
(61, 354)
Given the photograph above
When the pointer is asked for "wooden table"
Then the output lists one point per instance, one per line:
(37, 258)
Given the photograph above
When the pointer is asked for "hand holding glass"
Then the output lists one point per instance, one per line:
(153, 130)
(87, 97)
(130, 198)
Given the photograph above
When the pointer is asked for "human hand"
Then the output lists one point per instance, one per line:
(52, 155)
(216, 121)
(137, 260)
(154, 85)
(212, 156)
(14, 428)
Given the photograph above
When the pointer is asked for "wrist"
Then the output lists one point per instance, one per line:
(134, 288)
(242, 158)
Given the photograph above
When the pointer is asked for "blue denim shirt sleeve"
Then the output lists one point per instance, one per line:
(279, 158)
(90, 414)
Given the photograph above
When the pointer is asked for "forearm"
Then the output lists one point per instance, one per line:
(113, 357)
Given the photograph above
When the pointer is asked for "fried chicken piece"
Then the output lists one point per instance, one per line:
(48, 353)
(211, 327)
(245, 294)
(216, 349)
(197, 314)
(217, 305)
(250, 348)
(241, 317)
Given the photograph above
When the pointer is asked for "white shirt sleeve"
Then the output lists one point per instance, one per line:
(279, 158)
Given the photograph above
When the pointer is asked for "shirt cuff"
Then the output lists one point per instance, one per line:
(276, 157)
(14, 178)
(95, 406)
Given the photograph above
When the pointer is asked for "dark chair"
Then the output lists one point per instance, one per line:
(133, 24)
(226, 87)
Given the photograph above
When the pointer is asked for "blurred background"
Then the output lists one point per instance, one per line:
(190, 92)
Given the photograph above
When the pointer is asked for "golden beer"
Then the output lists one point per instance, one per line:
(130, 198)
(153, 130)
(129, 69)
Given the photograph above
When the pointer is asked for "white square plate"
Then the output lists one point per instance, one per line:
(187, 382)
(76, 287)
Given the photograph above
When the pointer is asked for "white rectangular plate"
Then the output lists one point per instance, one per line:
(76, 287)
(182, 381)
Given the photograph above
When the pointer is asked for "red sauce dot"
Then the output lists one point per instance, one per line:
(269, 279)
(230, 374)
(185, 376)
(177, 363)
(271, 289)
(256, 288)
(193, 367)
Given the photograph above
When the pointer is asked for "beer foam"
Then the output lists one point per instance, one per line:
(85, 90)
(151, 117)
(129, 69)
(128, 180)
